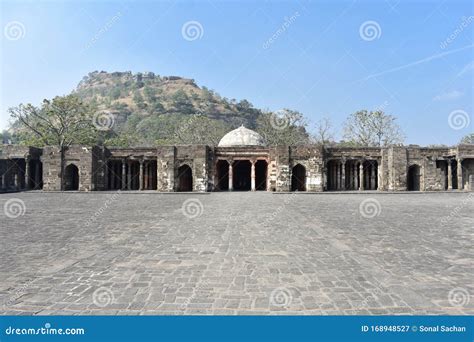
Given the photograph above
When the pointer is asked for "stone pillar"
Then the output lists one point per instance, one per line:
(124, 175)
(110, 171)
(37, 175)
(471, 183)
(145, 175)
(450, 175)
(354, 177)
(141, 180)
(333, 176)
(231, 187)
(338, 175)
(361, 176)
(106, 175)
(27, 173)
(252, 176)
(16, 181)
(129, 175)
(372, 177)
(343, 175)
(379, 176)
(4, 181)
(460, 180)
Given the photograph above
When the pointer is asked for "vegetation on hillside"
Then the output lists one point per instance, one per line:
(145, 109)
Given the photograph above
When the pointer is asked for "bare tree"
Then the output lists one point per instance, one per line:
(61, 122)
(324, 132)
(374, 128)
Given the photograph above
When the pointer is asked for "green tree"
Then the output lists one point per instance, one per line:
(198, 129)
(149, 94)
(60, 122)
(182, 102)
(285, 127)
(138, 99)
(115, 93)
(5, 137)
(372, 128)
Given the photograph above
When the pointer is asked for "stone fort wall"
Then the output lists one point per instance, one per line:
(397, 168)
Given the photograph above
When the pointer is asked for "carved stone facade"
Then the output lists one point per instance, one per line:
(202, 168)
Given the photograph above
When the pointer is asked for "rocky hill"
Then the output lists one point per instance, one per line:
(153, 106)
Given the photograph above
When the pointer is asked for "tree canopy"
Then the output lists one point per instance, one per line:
(62, 121)
(285, 127)
(372, 128)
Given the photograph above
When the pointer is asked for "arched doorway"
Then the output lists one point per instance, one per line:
(370, 175)
(222, 171)
(71, 178)
(261, 175)
(298, 178)
(36, 173)
(413, 181)
(241, 175)
(333, 174)
(185, 178)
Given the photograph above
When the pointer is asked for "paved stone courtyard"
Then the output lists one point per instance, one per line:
(236, 253)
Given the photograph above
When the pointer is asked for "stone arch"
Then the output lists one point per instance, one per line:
(222, 175)
(261, 170)
(71, 178)
(298, 178)
(241, 178)
(37, 175)
(413, 178)
(185, 178)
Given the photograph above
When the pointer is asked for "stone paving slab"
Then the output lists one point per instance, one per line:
(236, 254)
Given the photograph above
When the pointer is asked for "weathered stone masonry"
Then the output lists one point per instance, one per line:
(202, 168)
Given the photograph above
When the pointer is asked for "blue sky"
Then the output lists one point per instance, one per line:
(413, 59)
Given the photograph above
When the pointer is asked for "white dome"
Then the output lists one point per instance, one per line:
(241, 137)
